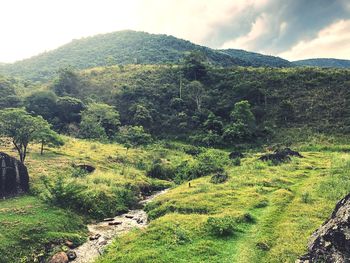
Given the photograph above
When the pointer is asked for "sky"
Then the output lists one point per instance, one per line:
(292, 29)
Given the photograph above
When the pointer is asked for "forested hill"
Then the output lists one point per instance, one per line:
(129, 47)
(123, 47)
(256, 59)
(324, 63)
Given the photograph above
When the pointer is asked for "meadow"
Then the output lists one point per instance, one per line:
(262, 213)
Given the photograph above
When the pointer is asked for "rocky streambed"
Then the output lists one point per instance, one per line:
(102, 233)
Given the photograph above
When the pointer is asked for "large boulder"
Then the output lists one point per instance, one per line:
(331, 242)
(14, 177)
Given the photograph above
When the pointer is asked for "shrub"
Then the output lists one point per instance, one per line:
(192, 150)
(221, 226)
(161, 170)
(219, 178)
(98, 202)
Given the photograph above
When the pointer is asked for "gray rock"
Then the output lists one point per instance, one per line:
(14, 178)
(71, 255)
(331, 242)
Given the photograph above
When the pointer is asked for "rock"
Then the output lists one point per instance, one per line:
(94, 237)
(331, 242)
(108, 219)
(71, 255)
(140, 221)
(60, 257)
(129, 216)
(234, 155)
(280, 156)
(115, 223)
(85, 167)
(263, 246)
(289, 152)
(14, 178)
(69, 244)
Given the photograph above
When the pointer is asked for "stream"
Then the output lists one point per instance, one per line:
(101, 234)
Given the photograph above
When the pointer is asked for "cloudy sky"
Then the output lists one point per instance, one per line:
(293, 29)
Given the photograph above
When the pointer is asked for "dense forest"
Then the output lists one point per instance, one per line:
(196, 101)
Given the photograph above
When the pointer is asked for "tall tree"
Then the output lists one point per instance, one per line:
(196, 93)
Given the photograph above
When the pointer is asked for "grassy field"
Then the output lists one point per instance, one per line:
(283, 205)
(30, 225)
(271, 210)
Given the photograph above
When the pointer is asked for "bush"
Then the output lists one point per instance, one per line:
(219, 178)
(192, 150)
(206, 163)
(98, 202)
(221, 226)
(161, 170)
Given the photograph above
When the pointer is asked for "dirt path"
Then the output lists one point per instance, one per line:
(102, 233)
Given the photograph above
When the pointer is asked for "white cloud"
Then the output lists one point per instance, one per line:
(258, 29)
(331, 42)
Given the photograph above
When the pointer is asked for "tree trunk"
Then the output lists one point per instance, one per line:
(42, 147)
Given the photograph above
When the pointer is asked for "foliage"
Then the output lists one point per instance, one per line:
(133, 136)
(42, 103)
(22, 128)
(40, 226)
(67, 82)
(99, 121)
(97, 202)
(221, 226)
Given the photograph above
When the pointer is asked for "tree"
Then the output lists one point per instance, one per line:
(142, 116)
(242, 114)
(42, 103)
(286, 112)
(194, 66)
(68, 111)
(22, 128)
(243, 125)
(213, 124)
(99, 121)
(66, 83)
(8, 96)
(133, 136)
(48, 137)
(196, 93)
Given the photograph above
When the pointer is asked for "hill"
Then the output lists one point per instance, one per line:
(256, 59)
(324, 63)
(123, 47)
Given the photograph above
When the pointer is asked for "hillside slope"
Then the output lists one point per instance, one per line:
(256, 59)
(123, 47)
(324, 63)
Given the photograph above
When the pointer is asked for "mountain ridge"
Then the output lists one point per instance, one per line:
(136, 47)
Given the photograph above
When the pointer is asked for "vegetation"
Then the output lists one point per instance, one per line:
(262, 213)
(150, 112)
(324, 63)
(22, 129)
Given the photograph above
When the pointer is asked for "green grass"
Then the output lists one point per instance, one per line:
(27, 226)
(288, 201)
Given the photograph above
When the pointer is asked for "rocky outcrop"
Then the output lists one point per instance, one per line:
(280, 156)
(14, 177)
(331, 242)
